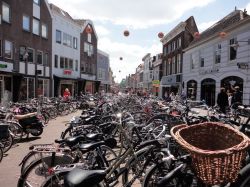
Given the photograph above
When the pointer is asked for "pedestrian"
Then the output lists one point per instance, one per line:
(66, 94)
(237, 96)
(222, 100)
(230, 97)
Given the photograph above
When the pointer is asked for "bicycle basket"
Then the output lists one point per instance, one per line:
(4, 131)
(216, 149)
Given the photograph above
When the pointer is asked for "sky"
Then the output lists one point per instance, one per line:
(144, 19)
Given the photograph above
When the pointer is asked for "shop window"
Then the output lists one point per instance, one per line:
(26, 23)
(61, 62)
(40, 87)
(232, 49)
(31, 55)
(44, 31)
(46, 59)
(36, 26)
(58, 36)
(56, 61)
(39, 57)
(5, 12)
(31, 88)
(23, 90)
(46, 87)
(8, 49)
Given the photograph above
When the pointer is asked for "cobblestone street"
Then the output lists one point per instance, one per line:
(9, 169)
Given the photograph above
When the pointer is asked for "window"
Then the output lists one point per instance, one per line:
(44, 31)
(46, 87)
(178, 43)
(233, 49)
(88, 48)
(89, 37)
(165, 50)
(56, 61)
(31, 88)
(67, 40)
(70, 64)
(36, 2)
(26, 23)
(39, 57)
(58, 36)
(6, 12)
(22, 51)
(179, 63)
(202, 62)
(31, 55)
(66, 63)
(173, 65)
(173, 45)
(1, 48)
(8, 49)
(36, 25)
(169, 48)
(46, 59)
(218, 54)
(99, 73)
(169, 66)
(75, 43)
(76, 67)
(61, 62)
(192, 61)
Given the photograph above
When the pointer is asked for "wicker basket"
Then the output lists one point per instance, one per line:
(216, 149)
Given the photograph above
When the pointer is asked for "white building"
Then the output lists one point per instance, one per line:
(219, 57)
(65, 51)
(147, 72)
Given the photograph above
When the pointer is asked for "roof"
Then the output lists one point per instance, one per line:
(61, 12)
(227, 21)
(80, 21)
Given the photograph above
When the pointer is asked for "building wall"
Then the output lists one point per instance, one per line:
(103, 67)
(226, 67)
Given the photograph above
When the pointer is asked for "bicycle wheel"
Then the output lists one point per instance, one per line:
(16, 130)
(1, 153)
(7, 143)
(38, 171)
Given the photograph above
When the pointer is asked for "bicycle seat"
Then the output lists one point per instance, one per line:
(78, 178)
(71, 141)
(19, 117)
(94, 136)
(89, 146)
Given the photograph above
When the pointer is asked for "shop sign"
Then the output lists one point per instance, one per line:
(67, 72)
(155, 82)
(3, 65)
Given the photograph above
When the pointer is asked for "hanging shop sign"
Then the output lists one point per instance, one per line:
(3, 65)
(67, 72)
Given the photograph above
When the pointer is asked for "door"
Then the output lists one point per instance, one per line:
(208, 91)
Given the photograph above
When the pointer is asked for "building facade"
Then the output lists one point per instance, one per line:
(157, 73)
(147, 72)
(88, 57)
(103, 70)
(25, 49)
(219, 57)
(173, 44)
(65, 52)
(139, 77)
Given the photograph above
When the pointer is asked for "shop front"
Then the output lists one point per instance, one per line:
(6, 88)
(208, 91)
(170, 84)
(155, 87)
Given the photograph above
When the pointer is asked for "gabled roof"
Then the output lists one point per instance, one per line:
(84, 23)
(61, 12)
(229, 20)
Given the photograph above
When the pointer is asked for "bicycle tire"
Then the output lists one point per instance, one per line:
(1, 153)
(7, 143)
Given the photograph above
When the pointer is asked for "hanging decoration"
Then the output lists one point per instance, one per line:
(160, 35)
(223, 34)
(126, 33)
(119, 71)
(196, 35)
(88, 30)
(121, 58)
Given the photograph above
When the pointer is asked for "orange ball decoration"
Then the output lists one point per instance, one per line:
(88, 30)
(126, 33)
(160, 35)
(223, 34)
(196, 35)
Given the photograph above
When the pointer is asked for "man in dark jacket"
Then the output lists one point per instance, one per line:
(237, 97)
(222, 100)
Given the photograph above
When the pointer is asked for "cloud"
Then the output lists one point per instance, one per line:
(132, 55)
(248, 8)
(101, 31)
(203, 26)
(132, 14)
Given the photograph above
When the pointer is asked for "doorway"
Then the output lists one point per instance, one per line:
(208, 91)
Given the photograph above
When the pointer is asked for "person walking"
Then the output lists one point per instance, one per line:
(66, 94)
(222, 100)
